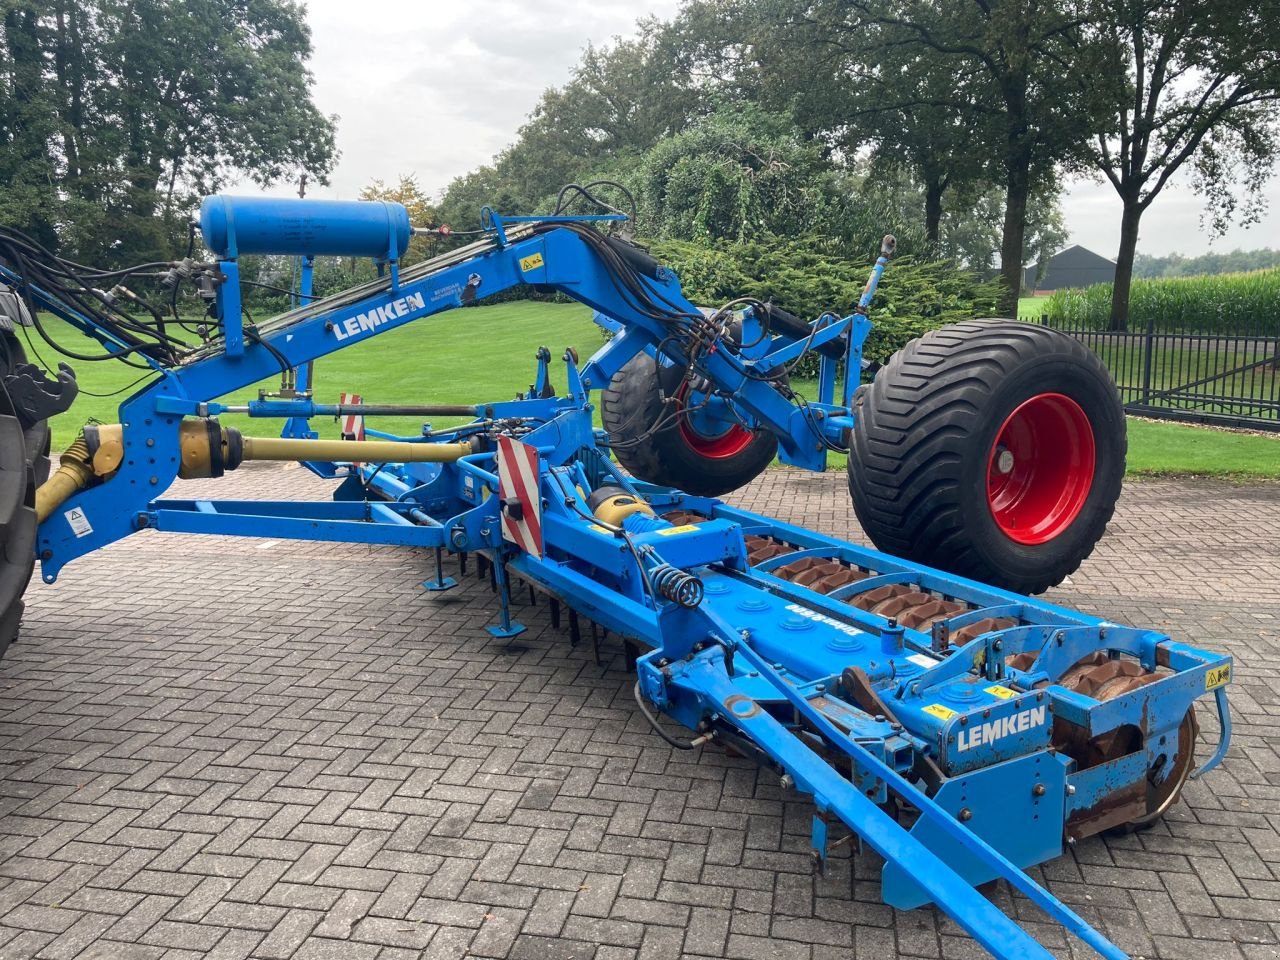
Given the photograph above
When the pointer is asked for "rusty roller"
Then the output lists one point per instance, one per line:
(911, 606)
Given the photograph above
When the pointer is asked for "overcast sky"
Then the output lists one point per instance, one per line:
(437, 88)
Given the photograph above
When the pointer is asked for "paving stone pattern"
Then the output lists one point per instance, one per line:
(229, 748)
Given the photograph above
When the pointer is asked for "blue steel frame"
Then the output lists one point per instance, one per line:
(758, 663)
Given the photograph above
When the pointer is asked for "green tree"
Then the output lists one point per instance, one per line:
(1019, 58)
(858, 91)
(620, 100)
(28, 169)
(152, 103)
(739, 174)
(1195, 83)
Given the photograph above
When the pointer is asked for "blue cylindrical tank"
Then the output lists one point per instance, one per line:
(345, 228)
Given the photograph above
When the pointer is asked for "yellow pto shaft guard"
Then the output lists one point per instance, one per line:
(210, 449)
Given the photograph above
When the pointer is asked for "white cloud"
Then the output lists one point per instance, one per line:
(1171, 224)
(436, 88)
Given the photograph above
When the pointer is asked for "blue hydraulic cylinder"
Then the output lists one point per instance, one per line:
(232, 226)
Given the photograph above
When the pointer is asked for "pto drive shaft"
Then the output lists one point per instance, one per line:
(210, 449)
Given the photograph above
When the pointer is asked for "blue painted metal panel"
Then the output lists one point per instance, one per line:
(1016, 806)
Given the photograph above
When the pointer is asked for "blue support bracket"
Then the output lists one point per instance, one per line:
(506, 628)
(439, 583)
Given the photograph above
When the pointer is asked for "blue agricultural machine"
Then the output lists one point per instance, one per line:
(931, 709)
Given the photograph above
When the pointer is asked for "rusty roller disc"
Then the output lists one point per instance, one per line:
(820, 575)
(760, 549)
(1100, 677)
(987, 625)
(682, 517)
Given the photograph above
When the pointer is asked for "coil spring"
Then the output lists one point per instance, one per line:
(676, 585)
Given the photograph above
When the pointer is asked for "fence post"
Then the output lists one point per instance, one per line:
(1148, 339)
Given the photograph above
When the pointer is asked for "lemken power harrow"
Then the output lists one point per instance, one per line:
(961, 730)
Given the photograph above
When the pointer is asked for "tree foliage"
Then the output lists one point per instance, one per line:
(1191, 83)
(1232, 261)
(116, 115)
(422, 212)
(809, 275)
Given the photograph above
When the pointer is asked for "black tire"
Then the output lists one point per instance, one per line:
(24, 465)
(675, 456)
(930, 483)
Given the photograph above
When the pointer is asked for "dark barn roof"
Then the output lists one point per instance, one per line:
(1073, 267)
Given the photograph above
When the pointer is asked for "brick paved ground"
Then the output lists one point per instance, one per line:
(230, 748)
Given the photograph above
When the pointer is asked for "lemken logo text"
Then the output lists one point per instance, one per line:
(1021, 722)
(373, 319)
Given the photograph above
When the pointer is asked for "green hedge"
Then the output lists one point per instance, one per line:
(1230, 303)
(809, 277)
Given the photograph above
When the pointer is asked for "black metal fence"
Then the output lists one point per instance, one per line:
(1206, 378)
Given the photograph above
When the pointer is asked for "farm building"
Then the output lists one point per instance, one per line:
(1073, 267)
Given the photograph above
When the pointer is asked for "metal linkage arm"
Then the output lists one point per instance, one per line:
(705, 677)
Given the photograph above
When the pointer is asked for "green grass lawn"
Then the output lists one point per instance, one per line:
(1159, 448)
(487, 353)
(463, 356)
(1029, 307)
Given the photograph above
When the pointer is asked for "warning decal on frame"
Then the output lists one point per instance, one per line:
(78, 522)
(531, 262)
(1217, 677)
(939, 711)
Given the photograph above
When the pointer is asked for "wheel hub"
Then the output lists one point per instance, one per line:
(1040, 468)
(704, 432)
(1004, 461)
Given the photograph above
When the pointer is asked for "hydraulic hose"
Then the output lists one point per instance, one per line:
(653, 722)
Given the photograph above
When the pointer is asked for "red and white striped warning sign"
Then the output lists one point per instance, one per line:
(352, 423)
(519, 495)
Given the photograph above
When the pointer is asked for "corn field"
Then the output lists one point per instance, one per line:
(1196, 348)
(1237, 304)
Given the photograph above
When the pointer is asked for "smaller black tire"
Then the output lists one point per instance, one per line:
(676, 455)
(993, 449)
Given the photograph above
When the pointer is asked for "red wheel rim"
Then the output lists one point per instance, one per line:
(1040, 468)
(722, 446)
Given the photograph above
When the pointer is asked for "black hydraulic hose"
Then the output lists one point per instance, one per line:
(653, 722)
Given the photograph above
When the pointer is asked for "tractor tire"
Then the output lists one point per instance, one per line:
(993, 449)
(678, 455)
(24, 465)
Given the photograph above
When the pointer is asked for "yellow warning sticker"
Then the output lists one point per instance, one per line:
(939, 711)
(1004, 693)
(671, 531)
(599, 529)
(531, 262)
(1217, 677)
